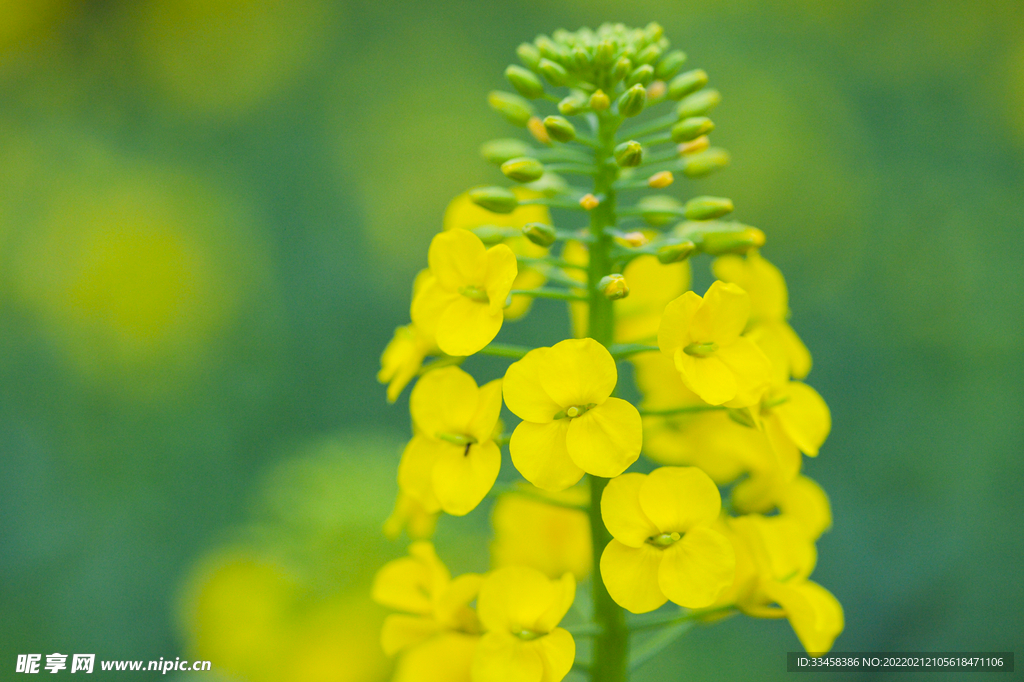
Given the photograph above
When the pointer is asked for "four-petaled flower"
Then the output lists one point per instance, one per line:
(571, 424)
(462, 300)
(663, 546)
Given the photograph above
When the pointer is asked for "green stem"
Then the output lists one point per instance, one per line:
(548, 260)
(504, 350)
(669, 411)
(444, 361)
(611, 646)
(656, 644)
(560, 294)
(621, 351)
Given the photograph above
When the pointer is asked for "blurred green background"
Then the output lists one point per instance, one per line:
(211, 212)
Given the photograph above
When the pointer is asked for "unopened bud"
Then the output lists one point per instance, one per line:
(622, 68)
(554, 72)
(633, 100)
(654, 31)
(529, 55)
(490, 234)
(707, 208)
(513, 107)
(656, 91)
(560, 129)
(705, 163)
(673, 253)
(540, 234)
(526, 82)
(605, 52)
(537, 129)
(613, 286)
(523, 169)
(589, 202)
(691, 128)
(573, 104)
(686, 83)
(580, 59)
(599, 101)
(693, 147)
(550, 184)
(500, 151)
(494, 199)
(670, 64)
(661, 180)
(633, 239)
(649, 54)
(659, 209)
(699, 103)
(642, 75)
(629, 154)
(549, 49)
(740, 241)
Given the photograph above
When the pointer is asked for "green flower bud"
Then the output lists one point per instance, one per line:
(670, 64)
(629, 154)
(604, 54)
(550, 185)
(716, 238)
(599, 101)
(522, 169)
(580, 59)
(654, 31)
(622, 68)
(642, 75)
(613, 286)
(526, 82)
(659, 209)
(699, 103)
(560, 128)
(529, 55)
(691, 128)
(513, 107)
(540, 234)
(573, 104)
(549, 49)
(649, 54)
(633, 100)
(500, 151)
(705, 163)
(686, 83)
(707, 208)
(554, 72)
(494, 199)
(675, 252)
(490, 234)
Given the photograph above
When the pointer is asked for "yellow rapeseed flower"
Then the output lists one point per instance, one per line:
(702, 336)
(664, 547)
(452, 461)
(410, 515)
(463, 214)
(553, 538)
(520, 609)
(403, 357)
(437, 630)
(769, 304)
(571, 424)
(774, 558)
(798, 498)
(461, 303)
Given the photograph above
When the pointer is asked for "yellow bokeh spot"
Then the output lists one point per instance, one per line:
(22, 20)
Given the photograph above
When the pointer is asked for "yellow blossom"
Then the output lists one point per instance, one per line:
(410, 514)
(438, 631)
(520, 609)
(461, 303)
(769, 304)
(664, 547)
(553, 538)
(774, 558)
(452, 461)
(403, 357)
(571, 424)
(702, 336)
(463, 214)
(798, 498)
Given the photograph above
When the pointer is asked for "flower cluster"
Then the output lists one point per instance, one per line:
(717, 518)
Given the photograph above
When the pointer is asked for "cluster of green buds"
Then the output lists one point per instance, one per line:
(602, 85)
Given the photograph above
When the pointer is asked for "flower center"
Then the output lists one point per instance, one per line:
(528, 635)
(459, 439)
(474, 293)
(575, 411)
(664, 540)
(701, 350)
(769, 403)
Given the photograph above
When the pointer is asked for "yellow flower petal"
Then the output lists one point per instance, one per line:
(623, 516)
(651, 287)
(523, 392)
(408, 584)
(722, 314)
(501, 272)
(457, 258)
(550, 538)
(429, 303)
(444, 401)
(674, 333)
(564, 595)
(466, 326)
(517, 598)
(708, 377)
(804, 501)
(605, 440)
(452, 607)
(401, 631)
(762, 280)
(696, 569)
(481, 425)
(676, 499)
(415, 471)
(539, 453)
(797, 353)
(804, 417)
(557, 651)
(815, 614)
(501, 657)
(578, 372)
(447, 657)
(462, 476)
(631, 576)
(752, 369)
